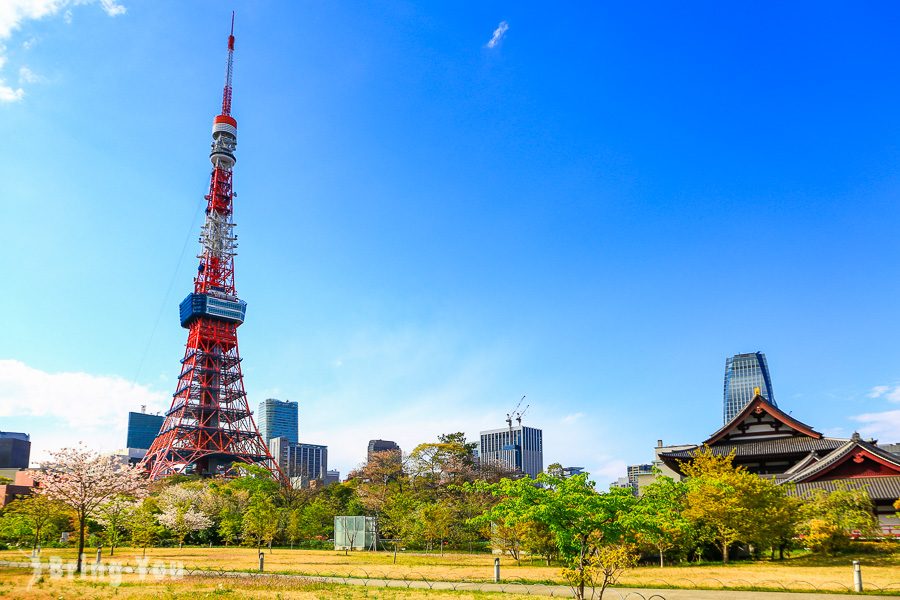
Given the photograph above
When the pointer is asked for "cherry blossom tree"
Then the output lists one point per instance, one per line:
(181, 512)
(83, 480)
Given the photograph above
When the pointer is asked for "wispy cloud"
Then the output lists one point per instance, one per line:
(572, 418)
(888, 392)
(26, 75)
(882, 425)
(498, 34)
(15, 13)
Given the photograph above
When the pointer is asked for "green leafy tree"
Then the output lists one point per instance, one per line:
(397, 522)
(294, 526)
(436, 519)
(777, 518)
(113, 516)
(317, 518)
(261, 520)
(658, 517)
(450, 460)
(142, 525)
(255, 479)
(830, 517)
(15, 528)
(582, 520)
(231, 506)
(40, 515)
(539, 540)
(508, 539)
(723, 499)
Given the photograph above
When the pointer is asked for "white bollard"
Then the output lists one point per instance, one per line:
(99, 555)
(857, 577)
(496, 570)
(262, 558)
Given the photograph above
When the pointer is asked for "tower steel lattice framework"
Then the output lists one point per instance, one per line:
(209, 426)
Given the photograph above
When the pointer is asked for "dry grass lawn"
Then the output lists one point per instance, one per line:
(881, 569)
(22, 584)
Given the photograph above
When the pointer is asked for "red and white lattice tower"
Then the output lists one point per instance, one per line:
(210, 426)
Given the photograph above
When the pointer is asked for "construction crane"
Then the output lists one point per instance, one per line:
(512, 446)
(522, 414)
(515, 415)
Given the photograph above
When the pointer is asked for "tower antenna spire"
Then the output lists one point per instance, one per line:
(229, 67)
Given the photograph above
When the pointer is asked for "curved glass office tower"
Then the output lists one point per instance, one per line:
(743, 373)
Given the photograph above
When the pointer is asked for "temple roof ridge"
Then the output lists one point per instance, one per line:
(760, 405)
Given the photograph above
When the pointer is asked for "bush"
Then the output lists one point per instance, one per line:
(825, 537)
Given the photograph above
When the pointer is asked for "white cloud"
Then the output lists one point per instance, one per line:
(882, 425)
(888, 392)
(498, 34)
(112, 8)
(66, 408)
(9, 94)
(15, 13)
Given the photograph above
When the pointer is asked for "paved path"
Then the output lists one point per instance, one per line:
(561, 591)
(532, 589)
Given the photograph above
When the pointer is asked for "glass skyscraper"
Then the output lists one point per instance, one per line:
(278, 418)
(744, 373)
(142, 429)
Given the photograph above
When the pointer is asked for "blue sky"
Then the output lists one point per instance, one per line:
(595, 210)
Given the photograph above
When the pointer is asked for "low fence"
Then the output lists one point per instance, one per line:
(412, 579)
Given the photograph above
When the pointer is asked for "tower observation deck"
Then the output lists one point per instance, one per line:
(209, 427)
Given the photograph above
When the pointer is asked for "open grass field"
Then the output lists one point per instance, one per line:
(20, 583)
(881, 567)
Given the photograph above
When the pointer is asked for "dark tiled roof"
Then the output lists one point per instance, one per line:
(838, 454)
(880, 488)
(801, 464)
(787, 445)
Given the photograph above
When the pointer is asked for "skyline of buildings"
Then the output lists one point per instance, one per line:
(743, 374)
(302, 463)
(305, 462)
(278, 418)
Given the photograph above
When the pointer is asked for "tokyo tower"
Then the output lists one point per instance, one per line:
(210, 426)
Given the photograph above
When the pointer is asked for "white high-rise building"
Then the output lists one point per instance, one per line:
(520, 448)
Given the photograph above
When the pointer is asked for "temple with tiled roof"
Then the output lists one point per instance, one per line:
(767, 441)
